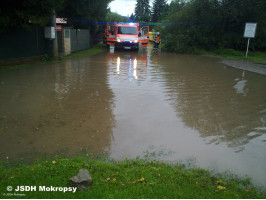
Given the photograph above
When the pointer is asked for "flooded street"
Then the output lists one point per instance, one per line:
(127, 103)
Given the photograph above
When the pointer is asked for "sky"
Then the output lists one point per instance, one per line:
(125, 7)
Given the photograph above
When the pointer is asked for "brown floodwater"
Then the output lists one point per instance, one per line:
(125, 104)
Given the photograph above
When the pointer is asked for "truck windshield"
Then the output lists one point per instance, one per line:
(127, 30)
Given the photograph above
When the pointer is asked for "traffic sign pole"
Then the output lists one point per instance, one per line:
(249, 32)
(247, 48)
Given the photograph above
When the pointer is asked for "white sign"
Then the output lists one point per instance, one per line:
(61, 20)
(250, 30)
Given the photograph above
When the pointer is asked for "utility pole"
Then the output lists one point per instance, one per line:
(55, 45)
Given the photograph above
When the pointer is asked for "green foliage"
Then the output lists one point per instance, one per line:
(23, 12)
(217, 24)
(80, 12)
(114, 17)
(125, 179)
(132, 17)
(157, 10)
(257, 56)
(45, 58)
(88, 52)
(142, 11)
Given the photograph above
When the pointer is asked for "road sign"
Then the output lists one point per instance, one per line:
(58, 28)
(250, 30)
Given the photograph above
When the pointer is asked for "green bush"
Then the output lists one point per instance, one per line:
(46, 57)
(213, 24)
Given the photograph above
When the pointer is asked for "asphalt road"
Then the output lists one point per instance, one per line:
(247, 65)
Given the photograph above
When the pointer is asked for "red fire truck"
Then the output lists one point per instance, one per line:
(127, 35)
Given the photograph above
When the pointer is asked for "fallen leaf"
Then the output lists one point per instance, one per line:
(141, 180)
(221, 187)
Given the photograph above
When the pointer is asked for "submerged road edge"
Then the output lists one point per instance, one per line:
(259, 68)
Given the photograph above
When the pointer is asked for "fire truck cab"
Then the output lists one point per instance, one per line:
(127, 35)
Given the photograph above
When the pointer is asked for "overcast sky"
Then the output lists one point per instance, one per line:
(124, 7)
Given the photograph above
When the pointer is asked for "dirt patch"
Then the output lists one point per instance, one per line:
(246, 65)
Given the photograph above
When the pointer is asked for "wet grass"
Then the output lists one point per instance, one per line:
(135, 178)
(255, 56)
(88, 52)
(22, 63)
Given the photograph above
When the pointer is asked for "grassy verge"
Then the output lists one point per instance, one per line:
(21, 63)
(88, 52)
(259, 57)
(124, 179)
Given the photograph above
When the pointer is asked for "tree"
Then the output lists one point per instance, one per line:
(142, 10)
(24, 12)
(213, 24)
(83, 13)
(165, 13)
(114, 17)
(157, 9)
(132, 17)
(79, 12)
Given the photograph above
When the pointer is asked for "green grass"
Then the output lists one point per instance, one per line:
(125, 179)
(234, 54)
(80, 54)
(22, 63)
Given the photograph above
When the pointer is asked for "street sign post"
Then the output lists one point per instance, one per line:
(250, 31)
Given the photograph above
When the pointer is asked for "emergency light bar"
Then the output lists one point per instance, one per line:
(124, 23)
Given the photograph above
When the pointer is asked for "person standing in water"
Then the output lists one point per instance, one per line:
(157, 42)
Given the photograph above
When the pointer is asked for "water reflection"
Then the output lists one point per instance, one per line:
(135, 69)
(118, 65)
(224, 105)
(240, 85)
(61, 106)
(192, 106)
(128, 64)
